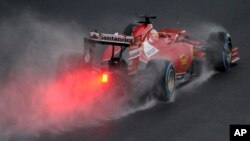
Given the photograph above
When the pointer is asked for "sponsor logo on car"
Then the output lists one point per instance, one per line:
(111, 38)
(183, 60)
(149, 49)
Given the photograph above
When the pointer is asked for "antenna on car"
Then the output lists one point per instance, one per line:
(147, 19)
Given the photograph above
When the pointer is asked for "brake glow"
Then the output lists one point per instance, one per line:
(104, 78)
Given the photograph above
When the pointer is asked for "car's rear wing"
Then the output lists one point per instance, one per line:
(95, 38)
(109, 39)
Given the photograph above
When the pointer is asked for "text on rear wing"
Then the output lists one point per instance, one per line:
(102, 37)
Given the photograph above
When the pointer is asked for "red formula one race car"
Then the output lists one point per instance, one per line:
(168, 54)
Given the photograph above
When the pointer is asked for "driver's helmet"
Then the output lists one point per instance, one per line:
(154, 34)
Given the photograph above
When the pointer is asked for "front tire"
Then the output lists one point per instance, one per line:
(219, 51)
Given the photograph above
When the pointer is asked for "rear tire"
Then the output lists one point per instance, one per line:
(165, 79)
(219, 51)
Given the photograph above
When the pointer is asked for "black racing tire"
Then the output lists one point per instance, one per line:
(219, 51)
(164, 74)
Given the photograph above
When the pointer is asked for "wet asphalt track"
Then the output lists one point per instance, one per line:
(203, 113)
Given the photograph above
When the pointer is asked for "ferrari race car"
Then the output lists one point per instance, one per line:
(169, 54)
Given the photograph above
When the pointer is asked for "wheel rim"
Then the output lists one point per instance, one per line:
(227, 54)
(170, 81)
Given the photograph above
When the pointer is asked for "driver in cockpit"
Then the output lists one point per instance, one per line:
(153, 35)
